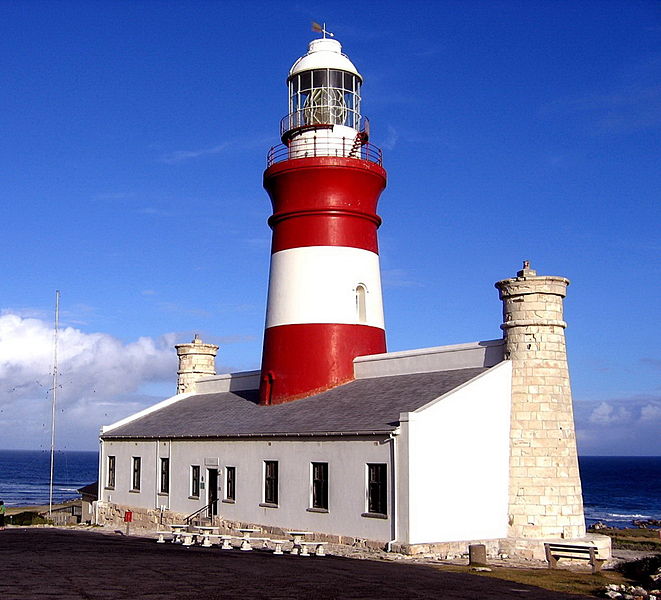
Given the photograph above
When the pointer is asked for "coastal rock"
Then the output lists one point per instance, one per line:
(612, 594)
(646, 523)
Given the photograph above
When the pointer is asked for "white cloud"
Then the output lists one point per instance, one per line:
(605, 414)
(651, 413)
(181, 155)
(620, 426)
(391, 138)
(99, 379)
(395, 278)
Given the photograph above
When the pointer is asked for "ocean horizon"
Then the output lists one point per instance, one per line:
(616, 489)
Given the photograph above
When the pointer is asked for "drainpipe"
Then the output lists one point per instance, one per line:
(101, 484)
(393, 460)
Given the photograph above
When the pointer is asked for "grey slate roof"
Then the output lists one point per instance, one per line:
(360, 406)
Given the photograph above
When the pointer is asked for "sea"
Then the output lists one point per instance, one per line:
(25, 475)
(616, 489)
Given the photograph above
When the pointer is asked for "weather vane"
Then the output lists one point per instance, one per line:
(321, 29)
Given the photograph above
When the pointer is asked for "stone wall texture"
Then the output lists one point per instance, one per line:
(196, 360)
(545, 499)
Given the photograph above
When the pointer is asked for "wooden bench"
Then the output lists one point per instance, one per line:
(555, 551)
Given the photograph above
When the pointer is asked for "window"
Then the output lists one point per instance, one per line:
(320, 485)
(195, 481)
(230, 483)
(361, 307)
(165, 476)
(377, 489)
(271, 481)
(110, 481)
(135, 477)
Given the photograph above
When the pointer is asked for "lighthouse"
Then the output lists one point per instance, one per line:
(325, 305)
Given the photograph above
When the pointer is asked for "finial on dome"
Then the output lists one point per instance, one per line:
(526, 271)
(321, 29)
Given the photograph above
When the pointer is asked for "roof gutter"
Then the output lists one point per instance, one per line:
(250, 435)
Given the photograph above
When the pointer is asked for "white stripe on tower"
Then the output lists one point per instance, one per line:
(321, 284)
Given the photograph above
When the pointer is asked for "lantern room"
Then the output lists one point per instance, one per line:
(324, 116)
(324, 88)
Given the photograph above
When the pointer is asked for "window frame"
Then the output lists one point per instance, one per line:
(270, 491)
(361, 303)
(195, 481)
(230, 484)
(136, 473)
(164, 475)
(376, 475)
(111, 474)
(319, 486)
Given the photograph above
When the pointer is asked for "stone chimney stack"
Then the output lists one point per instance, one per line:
(545, 499)
(196, 360)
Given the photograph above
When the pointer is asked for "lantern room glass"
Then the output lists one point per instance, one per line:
(324, 97)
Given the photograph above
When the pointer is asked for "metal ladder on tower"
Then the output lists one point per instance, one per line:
(357, 145)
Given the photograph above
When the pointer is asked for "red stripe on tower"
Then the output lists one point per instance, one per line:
(325, 305)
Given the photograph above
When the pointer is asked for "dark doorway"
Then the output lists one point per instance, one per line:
(212, 491)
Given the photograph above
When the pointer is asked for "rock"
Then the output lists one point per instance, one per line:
(646, 523)
(481, 569)
(612, 594)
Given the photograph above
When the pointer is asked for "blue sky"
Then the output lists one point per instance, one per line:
(133, 137)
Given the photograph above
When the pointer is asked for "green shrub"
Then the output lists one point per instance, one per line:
(27, 518)
(640, 570)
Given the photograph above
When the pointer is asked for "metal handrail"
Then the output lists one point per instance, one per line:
(190, 517)
(335, 147)
(323, 115)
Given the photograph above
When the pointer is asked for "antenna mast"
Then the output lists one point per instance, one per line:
(53, 402)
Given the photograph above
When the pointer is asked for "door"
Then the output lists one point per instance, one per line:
(212, 491)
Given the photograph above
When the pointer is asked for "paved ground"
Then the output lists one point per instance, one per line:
(56, 564)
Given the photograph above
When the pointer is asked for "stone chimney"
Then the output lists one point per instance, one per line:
(545, 499)
(196, 360)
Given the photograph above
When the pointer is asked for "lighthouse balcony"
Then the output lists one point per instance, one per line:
(321, 145)
(323, 116)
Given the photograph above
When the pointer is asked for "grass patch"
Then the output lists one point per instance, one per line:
(633, 539)
(557, 580)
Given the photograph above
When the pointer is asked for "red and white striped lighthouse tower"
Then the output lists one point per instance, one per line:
(324, 302)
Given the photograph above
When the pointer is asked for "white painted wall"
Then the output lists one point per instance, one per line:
(336, 141)
(317, 284)
(457, 449)
(346, 458)
(427, 360)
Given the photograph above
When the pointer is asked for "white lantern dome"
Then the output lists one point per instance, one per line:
(324, 53)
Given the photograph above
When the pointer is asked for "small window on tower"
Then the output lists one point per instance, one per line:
(361, 308)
